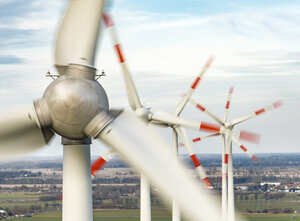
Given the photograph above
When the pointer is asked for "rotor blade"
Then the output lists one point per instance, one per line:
(172, 120)
(20, 133)
(258, 112)
(199, 168)
(132, 94)
(197, 139)
(145, 150)
(247, 136)
(158, 124)
(78, 34)
(254, 158)
(203, 109)
(194, 85)
(101, 161)
(209, 127)
(228, 104)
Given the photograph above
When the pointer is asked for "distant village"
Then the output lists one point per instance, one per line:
(117, 185)
(272, 187)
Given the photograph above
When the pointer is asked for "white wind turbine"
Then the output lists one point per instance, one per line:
(229, 134)
(75, 106)
(161, 119)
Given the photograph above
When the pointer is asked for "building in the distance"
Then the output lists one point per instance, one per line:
(3, 213)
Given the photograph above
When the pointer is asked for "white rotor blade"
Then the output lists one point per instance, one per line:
(194, 85)
(199, 168)
(247, 136)
(158, 124)
(253, 157)
(20, 133)
(132, 94)
(203, 109)
(228, 104)
(145, 150)
(172, 120)
(78, 34)
(256, 113)
(205, 137)
(101, 161)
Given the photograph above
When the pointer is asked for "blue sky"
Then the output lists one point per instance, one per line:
(256, 44)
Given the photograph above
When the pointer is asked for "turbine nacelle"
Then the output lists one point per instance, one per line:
(225, 130)
(71, 101)
(143, 112)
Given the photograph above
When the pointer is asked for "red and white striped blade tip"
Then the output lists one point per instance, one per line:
(107, 20)
(231, 89)
(207, 182)
(210, 61)
(278, 104)
(97, 165)
(196, 139)
(197, 163)
(250, 137)
(254, 158)
(183, 94)
(209, 127)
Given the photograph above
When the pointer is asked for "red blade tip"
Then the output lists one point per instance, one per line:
(251, 137)
(107, 20)
(210, 61)
(254, 158)
(278, 104)
(209, 127)
(97, 165)
(196, 139)
(207, 182)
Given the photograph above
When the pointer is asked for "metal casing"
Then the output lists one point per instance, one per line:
(73, 100)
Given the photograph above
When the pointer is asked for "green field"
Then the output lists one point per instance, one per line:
(271, 217)
(157, 215)
(290, 200)
(107, 215)
(25, 199)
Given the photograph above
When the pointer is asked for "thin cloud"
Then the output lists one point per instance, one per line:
(10, 59)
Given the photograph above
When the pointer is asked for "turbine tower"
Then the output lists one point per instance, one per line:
(75, 107)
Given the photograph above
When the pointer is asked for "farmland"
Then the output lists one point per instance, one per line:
(157, 215)
(34, 188)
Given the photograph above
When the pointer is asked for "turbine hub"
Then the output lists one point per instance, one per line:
(228, 125)
(73, 100)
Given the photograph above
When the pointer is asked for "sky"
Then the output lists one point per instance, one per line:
(166, 43)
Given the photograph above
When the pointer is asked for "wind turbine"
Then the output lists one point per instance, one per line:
(75, 106)
(229, 135)
(159, 118)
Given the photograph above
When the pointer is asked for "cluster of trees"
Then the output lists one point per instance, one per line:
(53, 197)
(17, 210)
(122, 197)
(117, 180)
(242, 160)
(272, 210)
(256, 195)
(273, 196)
(37, 208)
(27, 177)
